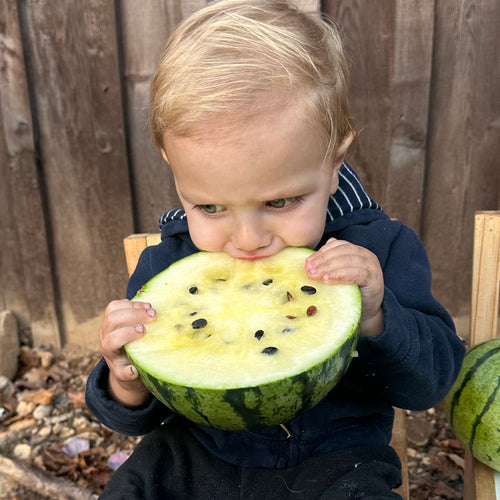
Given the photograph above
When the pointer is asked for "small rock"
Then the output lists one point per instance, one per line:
(7, 487)
(42, 411)
(45, 431)
(66, 432)
(46, 358)
(35, 377)
(81, 422)
(22, 451)
(117, 459)
(25, 408)
(75, 445)
(9, 340)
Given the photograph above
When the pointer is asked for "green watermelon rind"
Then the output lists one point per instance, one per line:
(472, 406)
(245, 408)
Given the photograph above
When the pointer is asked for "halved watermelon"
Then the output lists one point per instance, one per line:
(473, 404)
(245, 344)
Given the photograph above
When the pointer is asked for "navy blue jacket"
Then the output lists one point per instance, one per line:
(412, 364)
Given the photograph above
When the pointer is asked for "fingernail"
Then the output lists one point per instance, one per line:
(151, 312)
(139, 328)
(310, 268)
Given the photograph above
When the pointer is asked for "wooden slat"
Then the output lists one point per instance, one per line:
(479, 481)
(390, 74)
(486, 277)
(26, 286)
(370, 61)
(409, 94)
(134, 245)
(399, 442)
(153, 187)
(75, 74)
(462, 173)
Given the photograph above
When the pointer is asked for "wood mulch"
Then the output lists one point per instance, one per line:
(52, 447)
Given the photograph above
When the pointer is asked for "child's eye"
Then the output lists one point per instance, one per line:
(210, 209)
(282, 202)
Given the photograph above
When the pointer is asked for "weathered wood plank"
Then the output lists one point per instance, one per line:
(390, 70)
(409, 93)
(371, 63)
(26, 286)
(153, 187)
(74, 65)
(462, 172)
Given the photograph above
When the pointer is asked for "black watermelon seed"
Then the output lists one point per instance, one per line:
(287, 330)
(259, 334)
(267, 282)
(199, 323)
(194, 313)
(193, 290)
(309, 290)
(289, 296)
(291, 317)
(269, 350)
(311, 310)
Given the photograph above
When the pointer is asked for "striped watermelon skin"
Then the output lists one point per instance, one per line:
(255, 407)
(473, 404)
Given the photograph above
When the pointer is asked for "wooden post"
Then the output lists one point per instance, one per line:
(486, 276)
(479, 479)
(135, 244)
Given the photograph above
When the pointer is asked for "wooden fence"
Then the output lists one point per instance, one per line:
(78, 171)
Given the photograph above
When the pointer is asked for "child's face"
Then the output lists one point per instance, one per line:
(253, 190)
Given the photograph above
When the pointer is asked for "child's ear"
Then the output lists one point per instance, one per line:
(341, 151)
(164, 156)
(338, 159)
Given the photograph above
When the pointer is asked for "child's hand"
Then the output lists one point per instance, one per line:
(342, 262)
(124, 322)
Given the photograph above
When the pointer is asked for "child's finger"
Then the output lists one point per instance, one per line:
(126, 315)
(124, 372)
(114, 341)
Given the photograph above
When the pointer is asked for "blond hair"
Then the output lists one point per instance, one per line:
(225, 61)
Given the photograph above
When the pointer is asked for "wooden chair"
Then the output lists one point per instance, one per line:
(479, 479)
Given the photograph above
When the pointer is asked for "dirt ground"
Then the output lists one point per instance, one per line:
(52, 447)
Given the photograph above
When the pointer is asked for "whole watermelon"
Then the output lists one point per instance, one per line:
(473, 404)
(245, 344)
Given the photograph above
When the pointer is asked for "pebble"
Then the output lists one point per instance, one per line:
(46, 358)
(22, 451)
(81, 422)
(66, 432)
(25, 408)
(42, 411)
(45, 431)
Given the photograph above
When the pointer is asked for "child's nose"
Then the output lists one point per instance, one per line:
(250, 235)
